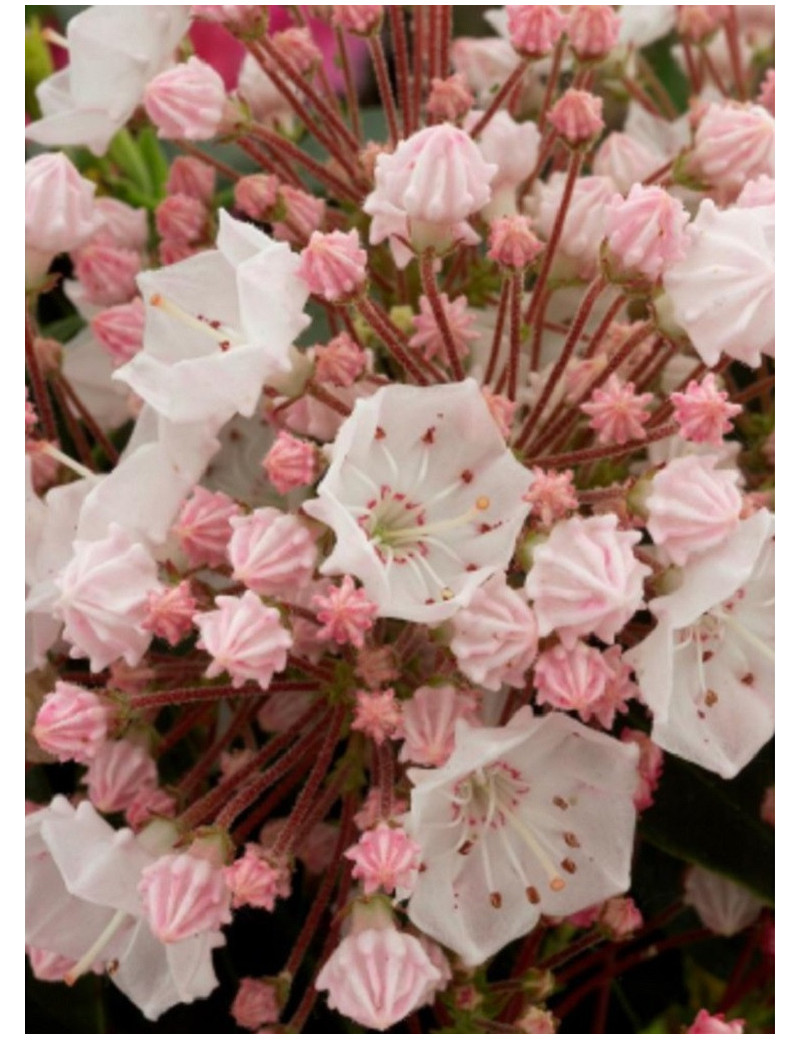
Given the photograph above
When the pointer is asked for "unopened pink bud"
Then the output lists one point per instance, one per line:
(290, 463)
(256, 194)
(187, 102)
(235, 17)
(120, 330)
(244, 638)
(182, 217)
(385, 858)
(361, 19)
(698, 21)
(72, 723)
(646, 231)
(621, 918)
(552, 495)
(271, 552)
(450, 99)
(577, 117)
(255, 1005)
(297, 47)
(193, 177)
(536, 1020)
(733, 144)
(703, 411)
(255, 881)
(593, 31)
(535, 29)
(59, 205)
(705, 1023)
(428, 334)
(170, 611)
(513, 242)
(572, 679)
(346, 613)
(502, 410)
(334, 266)
(377, 714)
(182, 896)
(429, 723)
(203, 527)
(107, 273)
(304, 214)
(617, 412)
(122, 225)
(146, 804)
(766, 95)
(118, 772)
(340, 362)
(173, 250)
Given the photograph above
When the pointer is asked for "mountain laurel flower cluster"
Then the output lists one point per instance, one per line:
(399, 442)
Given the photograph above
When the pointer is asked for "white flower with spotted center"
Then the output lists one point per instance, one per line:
(425, 498)
(529, 818)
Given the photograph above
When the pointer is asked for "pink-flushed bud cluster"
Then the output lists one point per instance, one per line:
(450, 99)
(203, 527)
(592, 31)
(345, 612)
(385, 858)
(361, 19)
(513, 242)
(428, 334)
(187, 102)
(120, 330)
(290, 463)
(73, 723)
(244, 639)
(334, 266)
(577, 117)
(377, 714)
(646, 232)
(170, 611)
(703, 411)
(271, 552)
(254, 880)
(429, 723)
(535, 29)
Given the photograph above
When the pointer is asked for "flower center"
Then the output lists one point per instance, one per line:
(223, 334)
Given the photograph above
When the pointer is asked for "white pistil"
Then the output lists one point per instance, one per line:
(224, 338)
(745, 633)
(65, 460)
(97, 947)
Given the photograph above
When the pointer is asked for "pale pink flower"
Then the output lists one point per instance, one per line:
(170, 611)
(245, 639)
(107, 273)
(114, 53)
(495, 636)
(255, 881)
(340, 361)
(384, 858)
(592, 31)
(428, 724)
(425, 499)
(184, 895)
(586, 579)
(758, 192)
(363, 19)
(377, 975)
(121, 225)
(377, 714)
(535, 29)
(426, 190)
(528, 818)
(577, 116)
(449, 99)
(625, 160)
(707, 670)
(705, 1023)
(428, 336)
(182, 217)
(94, 916)
(693, 506)
(117, 772)
(572, 679)
(584, 226)
(120, 330)
(651, 765)
(646, 231)
(513, 243)
(304, 215)
(513, 148)
(271, 551)
(187, 102)
(73, 723)
(203, 527)
(290, 463)
(620, 917)
(334, 266)
(50, 967)
(103, 597)
(552, 495)
(345, 612)
(255, 1004)
(723, 906)
(703, 411)
(256, 194)
(733, 144)
(59, 210)
(723, 291)
(190, 176)
(617, 412)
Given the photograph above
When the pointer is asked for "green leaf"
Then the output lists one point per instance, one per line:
(38, 65)
(154, 159)
(125, 153)
(702, 819)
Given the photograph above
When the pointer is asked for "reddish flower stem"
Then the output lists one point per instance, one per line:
(321, 394)
(431, 290)
(497, 338)
(732, 37)
(76, 433)
(41, 396)
(552, 82)
(192, 695)
(392, 339)
(203, 766)
(577, 458)
(384, 757)
(339, 187)
(185, 724)
(400, 49)
(515, 338)
(384, 86)
(87, 418)
(197, 153)
(499, 98)
(420, 56)
(445, 37)
(267, 806)
(351, 94)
